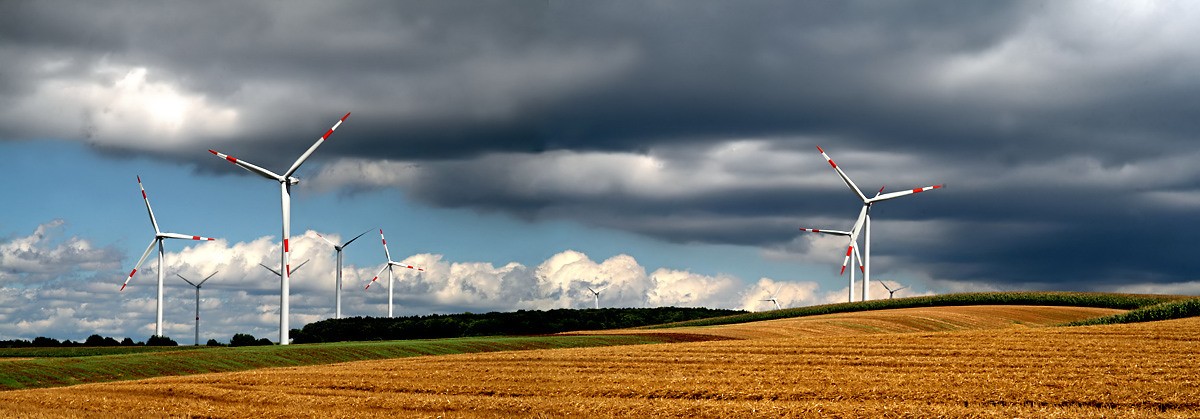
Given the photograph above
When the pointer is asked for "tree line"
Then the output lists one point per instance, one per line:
(239, 339)
(521, 322)
(93, 340)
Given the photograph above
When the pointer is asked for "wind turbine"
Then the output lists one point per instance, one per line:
(857, 256)
(280, 274)
(771, 297)
(197, 285)
(337, 290)
(159, 236)
(286, 180)
(596, 293)
(390, 263)
(864, 220)
(891, 292)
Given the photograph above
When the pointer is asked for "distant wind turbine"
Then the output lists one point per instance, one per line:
(596, 293)
(771, 297)
(280, 274)
(337, 289)
(390, 263)
(159, 236)
(197, 285)
(286, 180)
(864, 220)
(891, 292)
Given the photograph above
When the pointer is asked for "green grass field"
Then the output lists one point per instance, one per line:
(53, 367)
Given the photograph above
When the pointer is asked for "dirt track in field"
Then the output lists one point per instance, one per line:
(1138, 370)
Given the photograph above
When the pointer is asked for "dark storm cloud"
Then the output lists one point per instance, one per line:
(1065, 130)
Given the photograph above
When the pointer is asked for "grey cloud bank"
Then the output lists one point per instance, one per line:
(1064, 130)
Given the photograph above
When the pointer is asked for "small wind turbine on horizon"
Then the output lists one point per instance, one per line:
(159, 236)
(596, 294)
(891, 292)
(864, 220)
(337, 290)
(771, 297)
(390, 263)
(197, 285)
(286, 180)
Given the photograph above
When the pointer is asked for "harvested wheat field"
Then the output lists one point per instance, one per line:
(905, 320)
(1133, 370)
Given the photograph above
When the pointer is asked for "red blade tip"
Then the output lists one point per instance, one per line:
(213, 151)
(123, 287)
(819, 149)
(346, 116)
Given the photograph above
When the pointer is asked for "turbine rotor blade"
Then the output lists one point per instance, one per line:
(405, 266)
(858, 224)
(376, 278)
(327, 240)
(271, 269)
(303, 157)
(153, 221)
(385, 249)
(891, 195)
(845, 178)
(858, 257)
(186, 280)
(356, 238)
(149, 249)
(184, 236)
(829, 232)
(206, 279)
(248, 166)
(298, 267)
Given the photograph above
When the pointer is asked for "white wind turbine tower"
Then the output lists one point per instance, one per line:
(596, 293)
(857, 256)
(337, 290)
(390, 263)
(891, 292)
(864, 220)
(771, 297)
(159, 236)
(286, 180)
(197, 285)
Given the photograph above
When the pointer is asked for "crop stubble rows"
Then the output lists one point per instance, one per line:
(1121, 370)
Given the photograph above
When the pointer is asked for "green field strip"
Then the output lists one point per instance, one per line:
(60, 370)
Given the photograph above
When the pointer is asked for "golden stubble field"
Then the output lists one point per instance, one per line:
(1019, 370)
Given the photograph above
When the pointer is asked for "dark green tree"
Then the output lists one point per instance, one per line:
(242, 339)
(160, 341)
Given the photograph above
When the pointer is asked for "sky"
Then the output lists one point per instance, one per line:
(522, 151)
